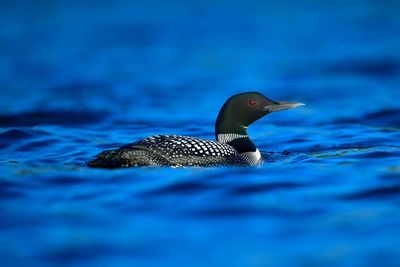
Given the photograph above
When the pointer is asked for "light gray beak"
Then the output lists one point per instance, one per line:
(282, 105)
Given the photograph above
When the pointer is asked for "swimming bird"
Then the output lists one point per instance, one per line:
(232, 146)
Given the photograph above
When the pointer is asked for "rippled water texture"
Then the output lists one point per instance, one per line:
(77, 78)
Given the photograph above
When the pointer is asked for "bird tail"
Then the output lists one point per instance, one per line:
(127, 157)
(107, 159)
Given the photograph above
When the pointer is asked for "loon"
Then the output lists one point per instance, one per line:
(232, 146)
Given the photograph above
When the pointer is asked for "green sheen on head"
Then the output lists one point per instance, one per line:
(241, 110)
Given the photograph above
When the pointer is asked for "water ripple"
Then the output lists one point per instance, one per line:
(63, 180)
(262, 188)
(56, 117)
(374, 193)
(179, 188)
(382, 118)
(383, 67)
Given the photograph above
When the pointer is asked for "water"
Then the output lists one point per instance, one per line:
(78, 78)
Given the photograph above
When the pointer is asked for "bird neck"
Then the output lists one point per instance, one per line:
(229, 123)
(240, 142)
(237, 138)
(229, 130)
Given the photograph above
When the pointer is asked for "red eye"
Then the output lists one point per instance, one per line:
(251, 102)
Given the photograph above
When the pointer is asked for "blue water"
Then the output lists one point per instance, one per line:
(77, 78)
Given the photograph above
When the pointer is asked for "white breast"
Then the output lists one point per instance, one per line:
(253, 157)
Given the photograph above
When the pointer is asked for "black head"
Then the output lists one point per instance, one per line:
(241, 110)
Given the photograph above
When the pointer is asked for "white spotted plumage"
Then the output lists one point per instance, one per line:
(185, 145)
(180, 150)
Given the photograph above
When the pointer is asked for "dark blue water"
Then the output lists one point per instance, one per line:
(77, 78)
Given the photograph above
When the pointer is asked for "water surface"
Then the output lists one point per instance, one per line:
(79, 78)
